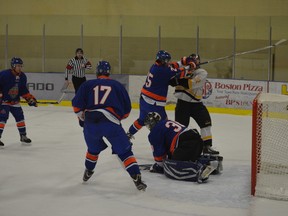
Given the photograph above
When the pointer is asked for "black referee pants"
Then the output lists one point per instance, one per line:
(77, 81)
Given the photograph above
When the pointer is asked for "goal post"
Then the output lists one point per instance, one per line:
(269, 167)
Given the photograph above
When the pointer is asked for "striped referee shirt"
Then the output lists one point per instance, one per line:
(76, 66)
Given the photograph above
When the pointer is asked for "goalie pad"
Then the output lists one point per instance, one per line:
(182, 170)
(205, 160)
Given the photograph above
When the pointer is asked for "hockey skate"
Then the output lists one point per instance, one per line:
(206, 170)
(25, 140)
(1, 144)
(87, 175)
(139, 183)
(206, 158)
(207, 149)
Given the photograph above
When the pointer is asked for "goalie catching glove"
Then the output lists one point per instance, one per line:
(31, 100)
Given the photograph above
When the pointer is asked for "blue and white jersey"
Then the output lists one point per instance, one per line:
(104, 95)
(155, 89)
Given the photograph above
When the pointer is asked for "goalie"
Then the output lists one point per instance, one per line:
(177, 150)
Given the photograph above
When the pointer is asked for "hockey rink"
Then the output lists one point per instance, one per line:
(45, 179)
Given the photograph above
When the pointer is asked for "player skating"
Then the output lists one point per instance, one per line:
(101, 104)
(189, 102)
(13, 86)
(176, 150)
(154, 92)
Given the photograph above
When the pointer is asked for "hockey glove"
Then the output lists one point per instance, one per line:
(189, 61)
(81, 118)
(81, 123)
(185, 73)
(156, 168)
(80, 115)
(31, 100)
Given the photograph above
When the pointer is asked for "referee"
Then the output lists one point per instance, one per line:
(76, 66)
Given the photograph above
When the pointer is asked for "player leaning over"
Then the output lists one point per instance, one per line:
(189, 103)
(102, 103)
(154, 92)
(13, 85)
(176, 149)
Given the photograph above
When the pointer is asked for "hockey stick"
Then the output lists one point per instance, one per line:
(42, 102)
(48, 102)
(145, 166)
(64, 90)
(246, 52)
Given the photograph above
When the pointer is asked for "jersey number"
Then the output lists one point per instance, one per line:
(148, 80)
(177, 126)
(97, 99)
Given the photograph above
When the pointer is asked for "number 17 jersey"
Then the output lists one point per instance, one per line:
(105, 95)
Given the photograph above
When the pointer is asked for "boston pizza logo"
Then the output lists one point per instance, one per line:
(207, 89)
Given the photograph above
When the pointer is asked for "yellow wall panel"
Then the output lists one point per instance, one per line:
(146, 7)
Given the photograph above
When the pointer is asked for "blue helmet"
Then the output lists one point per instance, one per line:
(103, 68)
(16, 60)
(163, 57)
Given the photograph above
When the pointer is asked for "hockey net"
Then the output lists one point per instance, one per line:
(269, 171)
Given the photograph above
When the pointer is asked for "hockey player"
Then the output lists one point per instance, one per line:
(13, 85)
(176, 148)
(154, 92)
(189, 103)
(101, 104)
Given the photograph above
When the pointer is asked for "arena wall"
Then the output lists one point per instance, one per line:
(46, 33)
(218, 94)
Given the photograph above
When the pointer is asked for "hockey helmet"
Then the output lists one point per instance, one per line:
(151, 120)
(15, 61)
(163, 57)
(103, 68)
(195, 57)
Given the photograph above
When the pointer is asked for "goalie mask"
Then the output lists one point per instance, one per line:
(151, 120)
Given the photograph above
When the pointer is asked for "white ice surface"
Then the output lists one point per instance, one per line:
(45, 179)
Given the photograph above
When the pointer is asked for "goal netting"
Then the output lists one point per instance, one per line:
(269, 173)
